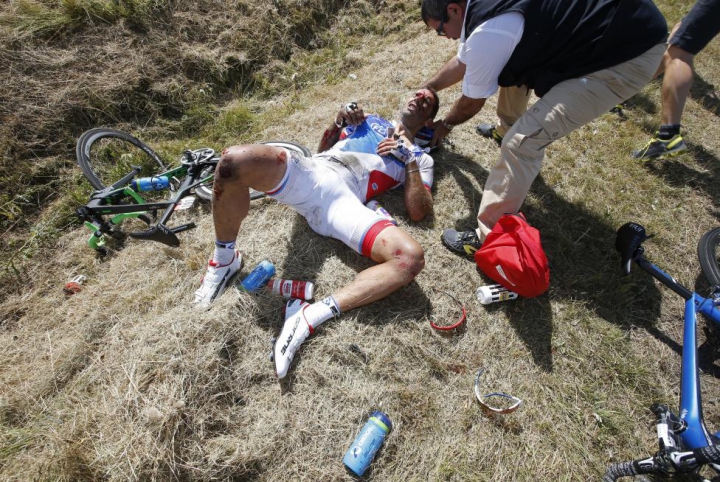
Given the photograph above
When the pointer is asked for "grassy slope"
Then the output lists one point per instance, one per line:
(123, 382)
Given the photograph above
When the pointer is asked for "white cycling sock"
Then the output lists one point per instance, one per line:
(321, 311)
(224, 252)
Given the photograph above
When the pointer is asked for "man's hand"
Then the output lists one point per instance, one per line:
(352, 114)
(462, 111)
(385, 146)
(441, 132)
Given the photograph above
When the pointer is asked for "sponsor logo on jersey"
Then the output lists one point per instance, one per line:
(379, 129)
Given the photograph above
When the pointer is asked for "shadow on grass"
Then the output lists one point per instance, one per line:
(645, 103)
(704, 93)
(678, 174)
(584, 264)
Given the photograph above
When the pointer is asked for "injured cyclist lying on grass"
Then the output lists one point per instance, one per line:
(360, 156)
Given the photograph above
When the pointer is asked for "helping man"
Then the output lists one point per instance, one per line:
(356, 162)
(581, 57)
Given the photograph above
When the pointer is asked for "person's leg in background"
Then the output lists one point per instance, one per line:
(511, 105)
(687, 39)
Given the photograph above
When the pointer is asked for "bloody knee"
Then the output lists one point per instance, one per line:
(228, 167)
(227, 171)
(409, 260)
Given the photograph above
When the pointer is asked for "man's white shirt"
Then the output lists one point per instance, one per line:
(486, 52)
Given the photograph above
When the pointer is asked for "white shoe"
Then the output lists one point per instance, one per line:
(294, 332)
(215, 281)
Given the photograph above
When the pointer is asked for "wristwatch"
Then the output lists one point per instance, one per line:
(447, 125)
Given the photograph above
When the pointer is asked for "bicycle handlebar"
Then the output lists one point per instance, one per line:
(664, 462)
(630, 469)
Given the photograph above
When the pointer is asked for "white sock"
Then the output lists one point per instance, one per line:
(321, 311)
(224, 252)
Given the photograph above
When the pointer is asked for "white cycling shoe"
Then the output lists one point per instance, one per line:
(294, 332)
(215, 281)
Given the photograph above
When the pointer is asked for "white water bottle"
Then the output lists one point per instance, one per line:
(494, 293)
(301, 290)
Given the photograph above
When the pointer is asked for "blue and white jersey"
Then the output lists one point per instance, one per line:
(376, 174)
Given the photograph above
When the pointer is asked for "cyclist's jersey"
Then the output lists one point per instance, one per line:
(354, 158)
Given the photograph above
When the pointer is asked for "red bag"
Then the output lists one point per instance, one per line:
(513, 256)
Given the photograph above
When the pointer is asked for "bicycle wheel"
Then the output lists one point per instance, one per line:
(106, 155)
(708, 256)
(204, 191)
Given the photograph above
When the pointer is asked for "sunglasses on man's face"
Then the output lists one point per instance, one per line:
(441, 28)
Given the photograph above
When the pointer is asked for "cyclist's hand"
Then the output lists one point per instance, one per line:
(352, 114)
(395, 148)
(385, 146)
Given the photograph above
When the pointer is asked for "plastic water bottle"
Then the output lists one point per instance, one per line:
(362, 451)
(377, 207)
(74, 285)
(155, 183)
(301, 290)
(494, 293)
(258, 277)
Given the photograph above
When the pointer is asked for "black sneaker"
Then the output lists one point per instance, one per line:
(489, 131)
(658, 148)
(461, 242)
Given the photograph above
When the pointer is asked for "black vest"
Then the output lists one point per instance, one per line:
(564, 39)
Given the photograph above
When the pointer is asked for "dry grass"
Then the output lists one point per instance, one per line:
(123, 382)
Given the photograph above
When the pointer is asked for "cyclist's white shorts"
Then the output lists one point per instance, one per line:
(323, 197)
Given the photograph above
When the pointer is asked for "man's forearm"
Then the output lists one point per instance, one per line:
(464, 109)
(449, 74)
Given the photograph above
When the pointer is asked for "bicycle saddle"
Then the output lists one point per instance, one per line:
(628, 241)
(198, 156)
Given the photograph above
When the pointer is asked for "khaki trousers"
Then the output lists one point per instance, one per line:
(511, 105)
(566, 107)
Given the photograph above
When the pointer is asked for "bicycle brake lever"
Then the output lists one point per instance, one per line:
(668, 427)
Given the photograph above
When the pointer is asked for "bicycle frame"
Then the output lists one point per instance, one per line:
(120, 201)
(101, 205)
(692, 432)
(685, 445)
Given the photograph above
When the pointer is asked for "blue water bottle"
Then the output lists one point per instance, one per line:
(155, 183)
(258, 277)
(362, 451)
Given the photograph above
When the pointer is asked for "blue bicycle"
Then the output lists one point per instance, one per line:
(685, 445)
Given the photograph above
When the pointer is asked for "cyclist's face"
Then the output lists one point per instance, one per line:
(421, 105)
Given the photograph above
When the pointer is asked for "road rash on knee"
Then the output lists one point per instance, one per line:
(409, 261)
(227, 169)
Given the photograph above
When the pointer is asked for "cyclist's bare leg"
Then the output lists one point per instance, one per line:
(400, 260)
(254, 166)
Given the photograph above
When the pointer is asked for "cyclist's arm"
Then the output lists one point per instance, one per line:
(330, 137)
(351, 114)
(418, 199)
